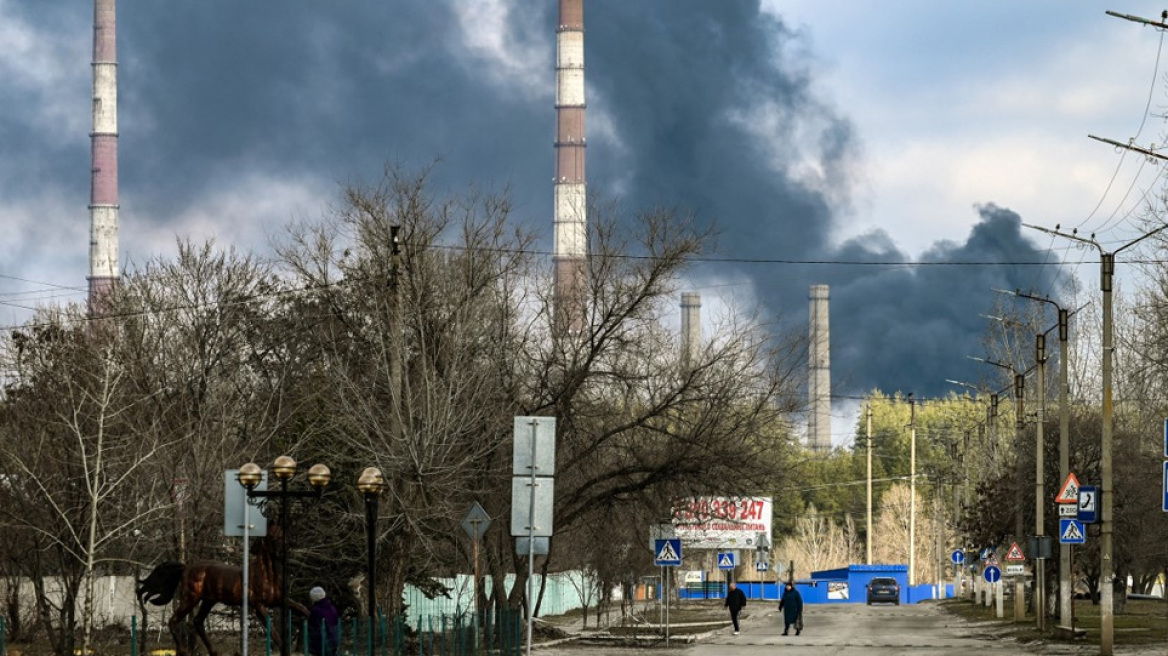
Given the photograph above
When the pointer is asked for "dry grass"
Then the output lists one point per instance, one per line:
(1143, 622)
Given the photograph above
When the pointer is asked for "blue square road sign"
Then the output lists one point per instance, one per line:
(1072, 531)
(667, 552)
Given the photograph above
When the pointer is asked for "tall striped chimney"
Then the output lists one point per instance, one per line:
(819, 374)
(570, 206)
(691, 327)
(103, 193)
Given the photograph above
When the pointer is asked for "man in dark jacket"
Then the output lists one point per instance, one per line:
(325, 614)
(735, 601)
(792, 606)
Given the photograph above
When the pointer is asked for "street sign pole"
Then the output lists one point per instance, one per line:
(533, 467)
(665, 591)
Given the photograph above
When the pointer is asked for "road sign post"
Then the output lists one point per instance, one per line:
(1088, 504)
(476, 522)
(1071, 531)
(667, 553)
(533, 466)
(1165, 506)
(1015, 553)
(1069, 492)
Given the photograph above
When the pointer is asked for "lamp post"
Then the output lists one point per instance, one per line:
(371, 483)
(1106, 524)
(1064, 316)
(912, 492)
(1019, 427)
(284, 468)
(1039, 466)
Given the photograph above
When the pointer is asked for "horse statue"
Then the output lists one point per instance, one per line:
(206, 583)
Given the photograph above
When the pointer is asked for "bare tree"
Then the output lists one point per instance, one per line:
(75, 461)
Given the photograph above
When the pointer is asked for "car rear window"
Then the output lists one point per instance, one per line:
(883, 581)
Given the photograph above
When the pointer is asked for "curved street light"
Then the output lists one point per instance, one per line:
(284, 469)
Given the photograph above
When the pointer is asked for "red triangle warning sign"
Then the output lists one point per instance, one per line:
(1015, 553)
(1070, 490)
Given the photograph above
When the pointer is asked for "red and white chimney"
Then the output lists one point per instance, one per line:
(571, 202)
(103, 194)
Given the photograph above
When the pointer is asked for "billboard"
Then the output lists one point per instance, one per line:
(722, 522)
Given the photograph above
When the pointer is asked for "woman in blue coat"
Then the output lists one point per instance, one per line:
(792, 606)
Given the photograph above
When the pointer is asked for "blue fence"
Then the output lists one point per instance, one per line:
(814, 592)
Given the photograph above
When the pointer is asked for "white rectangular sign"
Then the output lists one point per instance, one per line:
(1067, 510)
(1015, 570)
(722, 522)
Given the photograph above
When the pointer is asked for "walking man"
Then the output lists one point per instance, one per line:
(735, 601)
(792, 606)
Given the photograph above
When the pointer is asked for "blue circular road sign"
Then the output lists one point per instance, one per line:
(992, 574)
(957, 557)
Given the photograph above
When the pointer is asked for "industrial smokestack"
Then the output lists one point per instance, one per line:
(103, 193)
(819, 374)
(570, 210)
(691, 327)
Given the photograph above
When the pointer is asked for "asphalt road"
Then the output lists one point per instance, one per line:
(847, 629)
(851, 630)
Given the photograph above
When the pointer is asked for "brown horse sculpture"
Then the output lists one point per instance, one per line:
(204, 584)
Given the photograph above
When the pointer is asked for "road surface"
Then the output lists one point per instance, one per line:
(849, 630)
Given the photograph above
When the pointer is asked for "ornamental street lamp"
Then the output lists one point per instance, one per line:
(284, 468)
(371, 483)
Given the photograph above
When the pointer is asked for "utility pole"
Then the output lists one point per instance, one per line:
(1039, 501)
(395, 338)
(1064, 316)
(869, 534)
(912, 487)
(1106, 525)
(1019, 429)
(938, 546)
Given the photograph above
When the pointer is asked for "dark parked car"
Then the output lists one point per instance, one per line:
(883, 589)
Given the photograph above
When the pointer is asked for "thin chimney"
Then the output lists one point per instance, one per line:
(570, 209)
(103, 194)
(691, 327)
(819, 374)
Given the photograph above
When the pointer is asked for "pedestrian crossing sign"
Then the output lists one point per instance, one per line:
(1071, 531)
(726, 560)
(668, 553)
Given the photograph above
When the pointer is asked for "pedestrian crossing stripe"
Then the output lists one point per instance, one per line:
(667, 553)
(1073, 533)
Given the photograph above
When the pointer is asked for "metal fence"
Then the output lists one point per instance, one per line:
(564, 592)
(442, 626)
(492, 632)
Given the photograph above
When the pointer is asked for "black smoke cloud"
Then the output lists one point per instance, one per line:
(700, 63)
(709, 105)
(911, 328)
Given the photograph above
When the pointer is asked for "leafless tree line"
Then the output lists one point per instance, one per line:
(405, 331)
